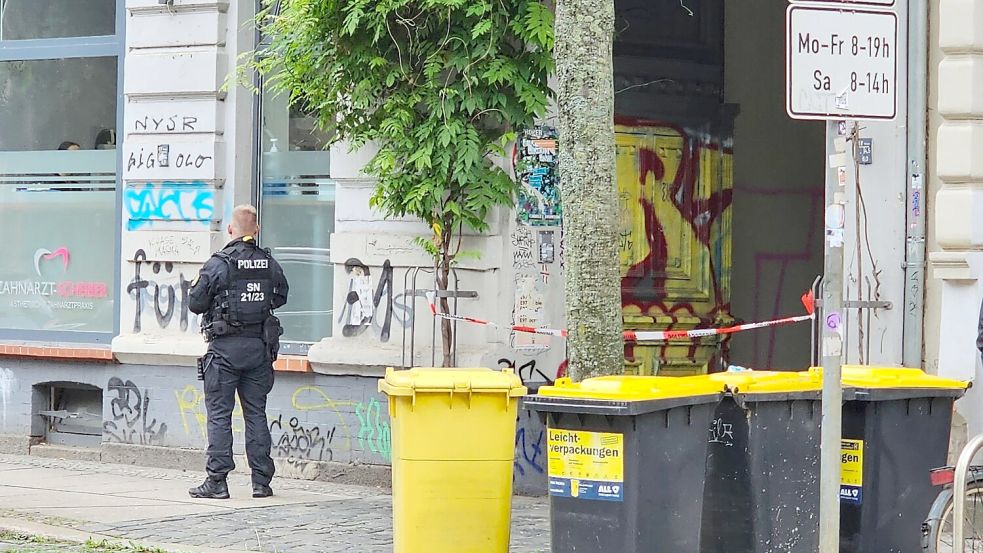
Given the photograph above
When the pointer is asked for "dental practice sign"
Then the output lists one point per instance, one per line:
(842, 60)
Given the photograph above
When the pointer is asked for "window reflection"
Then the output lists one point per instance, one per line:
(58, 194)
(33, 19)
(45, 103)
(298, 216)
(57, 210)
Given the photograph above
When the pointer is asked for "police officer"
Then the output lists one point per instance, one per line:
(236, 291)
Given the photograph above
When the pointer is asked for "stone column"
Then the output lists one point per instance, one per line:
(371, 254)
(958, 211)
(186, 163)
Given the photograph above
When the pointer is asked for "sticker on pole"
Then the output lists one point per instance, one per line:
(841, 64)
(586, 465)
(851, 471)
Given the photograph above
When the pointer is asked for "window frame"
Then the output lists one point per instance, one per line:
(261, 41)
(72, 48)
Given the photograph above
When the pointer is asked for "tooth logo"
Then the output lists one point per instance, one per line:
(47, 255)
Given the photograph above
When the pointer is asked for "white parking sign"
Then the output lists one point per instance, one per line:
(841, 64)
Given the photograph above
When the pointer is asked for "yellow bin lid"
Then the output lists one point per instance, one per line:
(631, 388)
(410, 382)
(861, 376)
(767, 382)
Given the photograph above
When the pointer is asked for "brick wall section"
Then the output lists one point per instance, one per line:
(292, 364)
(286, 363)
(56, 352)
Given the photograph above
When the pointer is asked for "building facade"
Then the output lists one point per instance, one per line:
(721, 221)
(955, 233)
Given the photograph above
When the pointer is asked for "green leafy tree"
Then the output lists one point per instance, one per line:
(439, 86)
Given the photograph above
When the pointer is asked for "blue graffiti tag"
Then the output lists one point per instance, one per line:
(187, 202)
(529, 452)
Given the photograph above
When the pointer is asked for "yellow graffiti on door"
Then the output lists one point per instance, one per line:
(675, 218)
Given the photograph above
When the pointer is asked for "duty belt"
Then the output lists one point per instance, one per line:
(242, 331)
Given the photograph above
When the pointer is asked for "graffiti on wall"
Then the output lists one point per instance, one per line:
(315, 427)
(165, 124)
(523, 248)
(373, 431)
(529, 445)
(373, 428)
(299, 442)
(528, 372)
(530, 432)
(363, 302)
(539, 191)
(165, 262)
(675, 190)
(801, 247)
(158, 117)
(191, 406)
(174, 246)
(536, 248)
(163, 290)
(171, 161)
(131, 422)
(148, 205)
(533, 256)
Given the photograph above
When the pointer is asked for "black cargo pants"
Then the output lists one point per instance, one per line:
(240, 364)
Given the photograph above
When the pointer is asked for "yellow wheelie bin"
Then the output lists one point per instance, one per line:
(453, 444)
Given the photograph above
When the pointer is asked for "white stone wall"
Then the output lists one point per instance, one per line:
(186, 144)
(174, 214)
(364, 234)
(956, 258)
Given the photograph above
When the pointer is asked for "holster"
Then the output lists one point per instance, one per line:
(271, 335)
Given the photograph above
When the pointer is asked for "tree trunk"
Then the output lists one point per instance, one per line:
(446, 330)
(442, 273)
(585, 97)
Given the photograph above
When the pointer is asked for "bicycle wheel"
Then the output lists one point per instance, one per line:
(940, 538)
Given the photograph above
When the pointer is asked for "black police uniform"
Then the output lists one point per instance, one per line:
(236, 291)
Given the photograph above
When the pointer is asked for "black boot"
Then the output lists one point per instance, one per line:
(262, 490)
(211, 489)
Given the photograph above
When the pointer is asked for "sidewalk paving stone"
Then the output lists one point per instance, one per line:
(152, 505)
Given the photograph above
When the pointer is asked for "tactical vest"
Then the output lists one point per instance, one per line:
(245, 301)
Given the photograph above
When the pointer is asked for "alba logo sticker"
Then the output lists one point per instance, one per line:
(48, 255)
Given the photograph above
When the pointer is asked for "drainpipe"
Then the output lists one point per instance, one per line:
(914, 265)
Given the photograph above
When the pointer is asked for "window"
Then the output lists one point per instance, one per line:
(33, 19)
(297, 216)
(45, 103)
(57, 215)
(59, 111)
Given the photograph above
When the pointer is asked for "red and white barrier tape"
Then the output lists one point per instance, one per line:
(637, 336)
(667, 335)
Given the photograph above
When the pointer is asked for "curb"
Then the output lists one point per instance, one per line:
(60, 533)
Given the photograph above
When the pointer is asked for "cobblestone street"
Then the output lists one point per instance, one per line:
(151, 507)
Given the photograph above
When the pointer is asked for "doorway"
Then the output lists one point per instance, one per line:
(721, 192)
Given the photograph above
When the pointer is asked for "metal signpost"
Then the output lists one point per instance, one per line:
(841, 66)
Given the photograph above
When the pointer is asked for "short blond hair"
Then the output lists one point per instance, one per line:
(245, 220)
